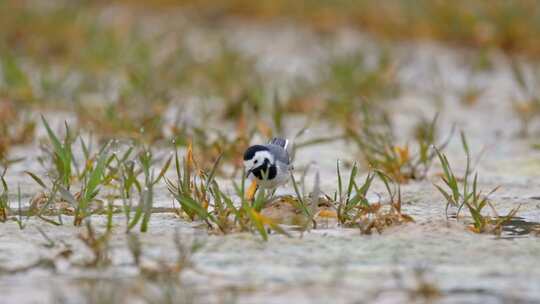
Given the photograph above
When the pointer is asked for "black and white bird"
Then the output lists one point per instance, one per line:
(269, 164)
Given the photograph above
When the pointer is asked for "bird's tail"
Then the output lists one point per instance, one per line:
(282, 142)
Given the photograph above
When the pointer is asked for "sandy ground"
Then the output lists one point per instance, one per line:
(331, 264)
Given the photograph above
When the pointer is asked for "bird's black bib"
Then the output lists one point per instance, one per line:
(265, 170)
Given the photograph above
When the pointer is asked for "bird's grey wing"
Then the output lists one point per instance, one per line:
(279, 141)
(279, 153)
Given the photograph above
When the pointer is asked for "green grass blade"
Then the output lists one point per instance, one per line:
(257, 222)
(163, 170)
(189, 204)
(351, 181)
(36, 179)
(340, 183)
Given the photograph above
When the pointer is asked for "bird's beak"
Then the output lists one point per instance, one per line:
(249, 172)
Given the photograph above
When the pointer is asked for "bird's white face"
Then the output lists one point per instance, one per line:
(258, 160)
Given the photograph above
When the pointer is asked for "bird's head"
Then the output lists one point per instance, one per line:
(257, 158)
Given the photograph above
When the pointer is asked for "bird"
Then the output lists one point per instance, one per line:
(269, 164)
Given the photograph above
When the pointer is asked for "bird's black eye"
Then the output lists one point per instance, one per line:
(256, 161)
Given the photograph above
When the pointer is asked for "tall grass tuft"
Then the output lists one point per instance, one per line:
(468, 196)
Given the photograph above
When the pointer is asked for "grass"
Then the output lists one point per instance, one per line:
(424, 288)
(349, 202)
(123, 64)
(103, 169)
(355, 210)
(127, 83)
(16, 128)
(471, 95)
(355, 88)
(123, 86)
(16, 85)
(4, 199)
(61, 176)
(89, 190)
(527, 105)
(125, 120)
(201, 198)
(382, 151)
(162, 271)
(354, 83)
(508, 25)
(98, 244)
(162, 280)
(307, 205)
(62, 154)
(146, 194)
(124, 82)
(468, 196)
